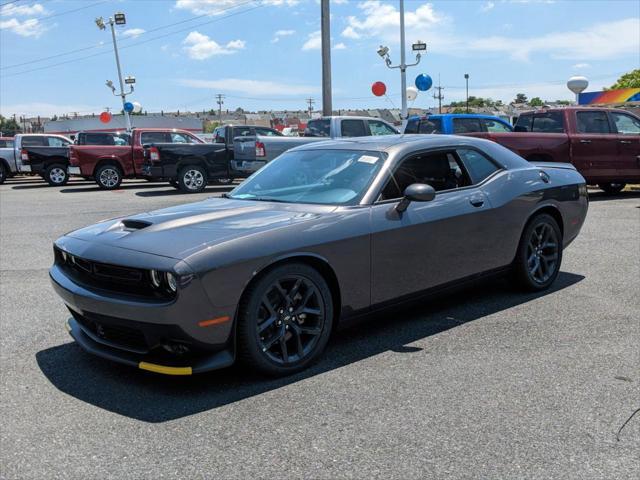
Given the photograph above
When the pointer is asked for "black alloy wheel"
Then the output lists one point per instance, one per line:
(56, 175)
(108, 177)
(286, 320)
(539, 255)
(612, 188)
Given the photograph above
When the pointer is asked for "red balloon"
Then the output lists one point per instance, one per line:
(379, 89)
(105, 117)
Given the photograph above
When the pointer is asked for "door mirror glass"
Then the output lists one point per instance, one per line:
(416, 192)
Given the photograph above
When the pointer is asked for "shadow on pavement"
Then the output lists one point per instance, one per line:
(600, 196)
(153, 398)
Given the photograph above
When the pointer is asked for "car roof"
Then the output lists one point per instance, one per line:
(456, 115)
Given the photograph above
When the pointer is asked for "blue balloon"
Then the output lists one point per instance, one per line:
(128, 107)
(423, 82)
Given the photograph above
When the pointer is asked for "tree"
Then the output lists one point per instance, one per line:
(536, 102)
(628, 80)
(9, 125)
(520, 98)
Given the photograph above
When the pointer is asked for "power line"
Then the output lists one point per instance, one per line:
(162, 27)
(217, 19)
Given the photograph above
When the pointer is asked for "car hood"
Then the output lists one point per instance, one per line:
(183, 230)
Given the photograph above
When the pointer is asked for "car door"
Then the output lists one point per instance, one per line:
(628, 136)
(594, 146)
(431, 243)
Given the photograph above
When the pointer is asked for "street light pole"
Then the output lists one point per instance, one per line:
(123, 95)
(403, 66)
(466, 78)
(325, 25)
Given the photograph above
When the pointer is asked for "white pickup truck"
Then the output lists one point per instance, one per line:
(48, 149)
(251, 152)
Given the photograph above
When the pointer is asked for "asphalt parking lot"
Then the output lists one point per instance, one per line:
(488, 383)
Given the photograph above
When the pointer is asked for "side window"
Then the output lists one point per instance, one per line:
(412, 126)
(495, 126)
(154, 137)
(523, 124)
(552, 122)
(181, 138)
(34, 141)
(219, 135)
(267, 132)
(441, 170)
(626, 124)
(593, 122)
(478, 166)
(353, 128)
(431, 125)
(466, 125)
(380, 128)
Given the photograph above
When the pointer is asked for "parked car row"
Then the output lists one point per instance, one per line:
(603, 145)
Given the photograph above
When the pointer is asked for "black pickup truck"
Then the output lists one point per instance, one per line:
(44, 155)
(190, 167)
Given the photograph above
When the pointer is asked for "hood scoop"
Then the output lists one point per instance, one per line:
(131, 224)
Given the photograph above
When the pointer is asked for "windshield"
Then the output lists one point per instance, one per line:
(326, 177)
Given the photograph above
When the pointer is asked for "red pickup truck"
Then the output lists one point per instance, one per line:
(602, 143)
(108, 157)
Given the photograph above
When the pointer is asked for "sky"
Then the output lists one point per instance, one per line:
(265, 54)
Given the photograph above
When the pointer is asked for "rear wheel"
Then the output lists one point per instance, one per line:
(539, 256)
(612, 188)
(108, 177)
(56, 175)
(285, 320)
(192, 179)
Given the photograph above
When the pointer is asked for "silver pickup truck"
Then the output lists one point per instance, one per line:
(12, 155)
(251, 153)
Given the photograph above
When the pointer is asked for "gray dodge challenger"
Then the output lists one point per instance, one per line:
(325, 232)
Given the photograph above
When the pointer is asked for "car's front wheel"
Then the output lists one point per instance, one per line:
(539, 256)
(56, 175)
(108, 177)
(612, 188)
(192, 179)
(285, 320)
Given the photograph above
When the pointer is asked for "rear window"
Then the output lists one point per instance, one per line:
(523, 124)
(155, 137)
(495, 126)
(34, 141)
(118, 139)
(318, 128)
(552, 122)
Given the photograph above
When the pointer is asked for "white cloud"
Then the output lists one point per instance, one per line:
(220, 7)
(23, 10)
(340, 46)
(599, 41)
(383, 20)
(314, 41)
(253, 87)
(200, 47)
(281, 33)
(133, 32)
(581, 66)
(31, 27)
(487, 6)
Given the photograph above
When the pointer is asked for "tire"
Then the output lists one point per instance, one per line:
(56, 175)
(289, 303)
(612, 188)
(539, 255)
(108, 177)
(3, 173)
(192, 179)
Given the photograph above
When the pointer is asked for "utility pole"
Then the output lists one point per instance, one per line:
(325, 26)
(466, 78)
(439, 96)
(310, 101)
(220, 101)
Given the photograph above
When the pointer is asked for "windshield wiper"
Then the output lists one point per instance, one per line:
(261, 199)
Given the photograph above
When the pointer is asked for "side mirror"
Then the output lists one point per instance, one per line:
(416, 192)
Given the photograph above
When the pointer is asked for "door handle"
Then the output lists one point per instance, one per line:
(476, 201)
(585, 141)
(626, 142)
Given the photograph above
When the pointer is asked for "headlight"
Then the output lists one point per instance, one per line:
(64, 256)
(171, 281)
(155, 278)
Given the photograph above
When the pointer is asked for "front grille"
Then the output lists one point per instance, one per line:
(117, 335)
(112, 278)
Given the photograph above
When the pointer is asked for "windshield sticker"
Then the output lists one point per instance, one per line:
(368, 159)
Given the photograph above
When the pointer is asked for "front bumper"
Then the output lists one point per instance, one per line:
(137, 330)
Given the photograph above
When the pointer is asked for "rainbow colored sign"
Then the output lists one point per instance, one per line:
(624, 95)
